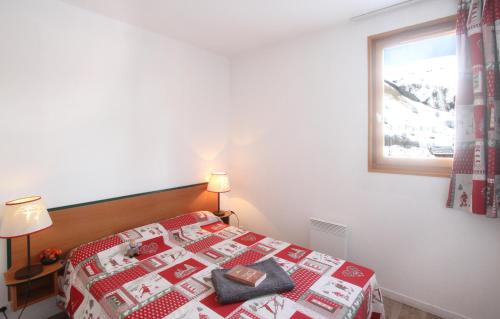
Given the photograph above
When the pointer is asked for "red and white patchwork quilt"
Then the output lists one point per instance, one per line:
(171, 276)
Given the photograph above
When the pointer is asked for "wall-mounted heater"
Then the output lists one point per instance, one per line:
(328, 238)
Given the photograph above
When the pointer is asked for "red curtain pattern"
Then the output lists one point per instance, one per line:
(475, 181)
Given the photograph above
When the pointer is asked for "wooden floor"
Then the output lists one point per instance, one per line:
(397, 310)
(60, 315)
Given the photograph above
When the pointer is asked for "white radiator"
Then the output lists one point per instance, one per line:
(327, 237)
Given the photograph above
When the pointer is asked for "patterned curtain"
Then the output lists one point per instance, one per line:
(475, 182)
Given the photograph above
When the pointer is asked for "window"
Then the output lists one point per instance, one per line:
(412, 87)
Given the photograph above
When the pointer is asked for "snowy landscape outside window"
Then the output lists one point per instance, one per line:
(419, 98)
(413, 78)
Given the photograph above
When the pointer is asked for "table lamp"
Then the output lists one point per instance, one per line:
(23, 217)
(218, 183)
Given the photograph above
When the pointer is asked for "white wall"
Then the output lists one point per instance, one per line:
(299, 149)
(91, 108)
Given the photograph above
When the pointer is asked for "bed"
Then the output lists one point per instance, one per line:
(171, 276)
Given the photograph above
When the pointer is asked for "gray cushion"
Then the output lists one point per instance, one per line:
(228, 291)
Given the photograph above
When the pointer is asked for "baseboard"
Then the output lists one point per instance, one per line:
(422, 305)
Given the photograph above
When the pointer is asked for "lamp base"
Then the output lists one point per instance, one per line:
(28, 272)
(219, 213)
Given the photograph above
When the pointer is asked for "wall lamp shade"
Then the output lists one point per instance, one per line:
(24, 216)
(218, 183)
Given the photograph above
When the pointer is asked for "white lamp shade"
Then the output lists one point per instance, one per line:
(219, 183)
(24, 216)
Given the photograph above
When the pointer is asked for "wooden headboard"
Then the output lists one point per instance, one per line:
(81, 223)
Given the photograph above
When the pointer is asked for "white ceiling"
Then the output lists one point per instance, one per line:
(231, 26)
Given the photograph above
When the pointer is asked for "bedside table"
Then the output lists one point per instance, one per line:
(225, 216)
(41, 286)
